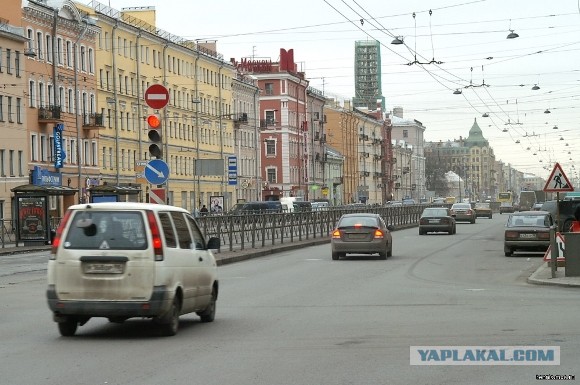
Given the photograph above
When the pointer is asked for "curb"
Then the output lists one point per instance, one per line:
(533, 279)
(244, 255)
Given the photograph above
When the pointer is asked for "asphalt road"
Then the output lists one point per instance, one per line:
(300, 318)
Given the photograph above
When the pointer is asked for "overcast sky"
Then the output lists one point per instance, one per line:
(495, 74)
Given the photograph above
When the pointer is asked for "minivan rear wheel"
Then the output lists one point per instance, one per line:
(208, 315)
(170, 322)
(68, 326)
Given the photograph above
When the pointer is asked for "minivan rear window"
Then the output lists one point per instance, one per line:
(116, 230)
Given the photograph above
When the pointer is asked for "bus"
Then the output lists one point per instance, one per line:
(505, 197)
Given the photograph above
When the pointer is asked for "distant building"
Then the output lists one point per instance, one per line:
(367, 72)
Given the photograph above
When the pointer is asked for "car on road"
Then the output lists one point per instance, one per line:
(125, 260)
(537, 206)
(506, 207)
(527, 231)
(437, 219)
(483, 210)
(463, 212)
(565, 209)
(361, 233)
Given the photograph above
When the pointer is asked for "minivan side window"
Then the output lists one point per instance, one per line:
(196, 233)
(166, 225)
(183, 235)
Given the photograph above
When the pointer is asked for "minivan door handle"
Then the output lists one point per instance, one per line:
(200, 259)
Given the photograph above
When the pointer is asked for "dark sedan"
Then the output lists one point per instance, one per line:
(506, 207)
(527, 231)
(361, 233)
(437, 219)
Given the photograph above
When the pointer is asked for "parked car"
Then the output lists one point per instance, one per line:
(567, 209)
(537, 206)
(527, 231)
(124, 260)
(319, 206)
(409, 202)
(302, 206)
(463, 212)
(437, 219)
(259, 207)
(506, 207)
(361, 233)
(483, 210)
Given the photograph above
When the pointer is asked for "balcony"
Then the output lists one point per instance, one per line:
(93, 121)
(267, 123)
(49, 114)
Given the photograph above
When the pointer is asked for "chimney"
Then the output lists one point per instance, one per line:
(398, 112)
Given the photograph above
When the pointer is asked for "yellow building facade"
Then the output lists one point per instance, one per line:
(196, 125)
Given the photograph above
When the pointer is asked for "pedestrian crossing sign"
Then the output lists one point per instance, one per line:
(558, 181)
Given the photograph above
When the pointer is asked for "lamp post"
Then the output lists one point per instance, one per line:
(86, 21)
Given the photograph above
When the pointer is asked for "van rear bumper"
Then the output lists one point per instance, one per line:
(158, 304)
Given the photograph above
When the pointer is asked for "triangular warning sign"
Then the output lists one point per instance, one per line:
(558, 181)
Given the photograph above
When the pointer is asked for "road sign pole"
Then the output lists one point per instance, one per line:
(555, 250)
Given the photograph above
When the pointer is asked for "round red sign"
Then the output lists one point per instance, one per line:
(156, 96)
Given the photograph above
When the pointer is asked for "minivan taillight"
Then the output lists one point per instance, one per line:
(56, 240)
(155, 236)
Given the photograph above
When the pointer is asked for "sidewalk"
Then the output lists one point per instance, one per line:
(542, 276)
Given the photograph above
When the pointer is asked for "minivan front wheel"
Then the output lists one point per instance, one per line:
(68, 326)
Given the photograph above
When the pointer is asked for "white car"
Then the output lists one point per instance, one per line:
(123, 260)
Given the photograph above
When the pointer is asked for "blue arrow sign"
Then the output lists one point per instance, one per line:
(156, 171)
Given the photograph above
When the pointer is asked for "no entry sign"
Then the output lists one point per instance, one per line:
(156, 96)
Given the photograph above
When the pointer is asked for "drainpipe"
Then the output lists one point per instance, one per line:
(165, 130)
(115, 96)
(257, 146)
(220, 115)
(197, 131)
(139, 107)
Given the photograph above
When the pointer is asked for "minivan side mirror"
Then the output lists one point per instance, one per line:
(390, 227)
(213, 243)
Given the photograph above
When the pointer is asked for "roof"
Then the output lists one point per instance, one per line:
(475, 137)
(43, 190)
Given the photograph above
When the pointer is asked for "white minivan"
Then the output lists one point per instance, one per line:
(121, 260)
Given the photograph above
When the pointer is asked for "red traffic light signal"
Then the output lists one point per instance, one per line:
(153, 121)
(154, 135)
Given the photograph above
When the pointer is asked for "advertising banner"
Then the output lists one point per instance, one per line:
(32, 218)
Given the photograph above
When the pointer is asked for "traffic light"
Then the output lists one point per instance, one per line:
(154, 134)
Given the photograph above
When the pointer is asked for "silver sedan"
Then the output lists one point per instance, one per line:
(361, 233)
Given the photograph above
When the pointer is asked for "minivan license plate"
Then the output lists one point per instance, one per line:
(104, 268)
(527, 236)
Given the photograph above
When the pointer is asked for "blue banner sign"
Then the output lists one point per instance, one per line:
(59, 153)
(43, 177)
(232, 170)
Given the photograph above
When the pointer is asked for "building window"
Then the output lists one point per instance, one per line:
(17, 63)
(18, 110)
(269, 88)
(270, 118)
(405, 133)
(11, 160)
(39, 45)
(271, 175)
(2, 164)
(32, 94)
(83, 58)
(270, 147)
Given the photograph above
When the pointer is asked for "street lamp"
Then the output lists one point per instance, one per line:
(87, 21)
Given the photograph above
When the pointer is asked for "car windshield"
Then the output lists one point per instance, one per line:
(461, 206)
(482, 205)
(528, 221)
(505, 204)
(358, 221)
(434, 213)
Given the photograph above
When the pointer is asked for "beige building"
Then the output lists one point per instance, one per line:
(14, 153)
(196, 123)
(60, 101)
